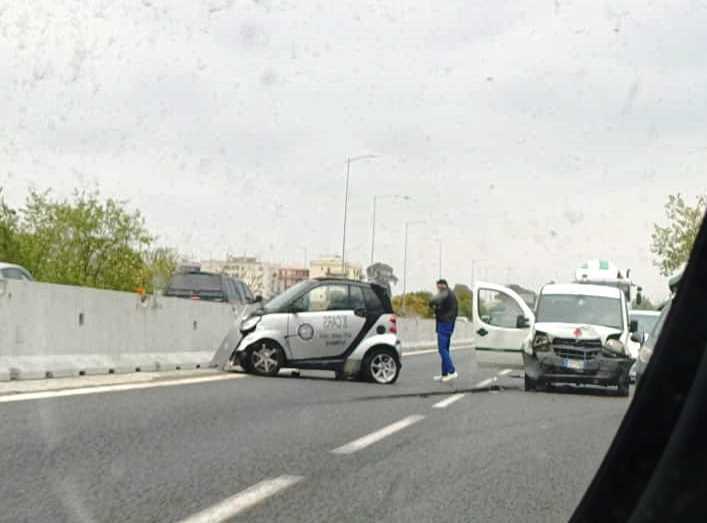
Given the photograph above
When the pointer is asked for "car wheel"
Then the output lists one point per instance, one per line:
(530, 384)
(623, 387)
(381, 366)
(266, 359)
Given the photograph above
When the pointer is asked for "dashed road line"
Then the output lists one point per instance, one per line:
(375, 437)
(485, 383)
(244, 500)
(448, 401)
(25, 396)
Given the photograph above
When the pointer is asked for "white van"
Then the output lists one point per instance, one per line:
(578, 333)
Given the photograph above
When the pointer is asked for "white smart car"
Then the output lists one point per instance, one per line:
(345, 326)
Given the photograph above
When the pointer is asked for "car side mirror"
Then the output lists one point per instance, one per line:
(258, 299)
(636, 337)
(522, 322)
(633, 326)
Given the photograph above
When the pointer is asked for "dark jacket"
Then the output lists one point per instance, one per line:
(445, 306)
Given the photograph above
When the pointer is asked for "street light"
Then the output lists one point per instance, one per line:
(439, 243)
(349, 161)
(375, 203)
(405, 262)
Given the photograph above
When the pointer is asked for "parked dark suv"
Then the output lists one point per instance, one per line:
(208, 286)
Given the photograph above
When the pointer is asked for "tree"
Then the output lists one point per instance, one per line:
(8, 233)
(672, 244)
(159, 266)
(416, 304)
(464, 298)
(84, 241)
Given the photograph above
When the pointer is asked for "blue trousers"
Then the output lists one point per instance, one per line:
(444, 340)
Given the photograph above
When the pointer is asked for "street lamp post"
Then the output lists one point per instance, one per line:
(349, 161)
(405, 263)
(373, 230)
(439, 243)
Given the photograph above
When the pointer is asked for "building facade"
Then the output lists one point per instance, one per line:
(288, 276)
(261, 277)
(331, 267)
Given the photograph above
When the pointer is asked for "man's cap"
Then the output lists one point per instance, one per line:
(442, 282)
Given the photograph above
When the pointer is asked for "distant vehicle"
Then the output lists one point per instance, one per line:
(649, 341)
(9, 271)
(580, 335)
(646, 321)
(341, 325)
(207, 286)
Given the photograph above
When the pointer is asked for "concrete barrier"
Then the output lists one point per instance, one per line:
(57, 330)
(51, 330)
(419, 334)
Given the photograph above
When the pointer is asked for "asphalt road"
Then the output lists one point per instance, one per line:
(265, 447)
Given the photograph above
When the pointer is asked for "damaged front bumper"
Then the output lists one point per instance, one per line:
(548, 367)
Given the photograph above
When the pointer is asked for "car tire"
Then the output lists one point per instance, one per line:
(381, 366)
(531, 385)
(622, 389)
(266, 358)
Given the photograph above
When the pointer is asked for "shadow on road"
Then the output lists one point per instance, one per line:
(575, 390)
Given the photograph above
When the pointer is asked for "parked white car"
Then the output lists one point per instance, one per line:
(10, 271)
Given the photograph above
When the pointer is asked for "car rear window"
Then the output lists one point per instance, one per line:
(196, 283)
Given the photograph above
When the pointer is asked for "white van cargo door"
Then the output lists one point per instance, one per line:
(502, 320)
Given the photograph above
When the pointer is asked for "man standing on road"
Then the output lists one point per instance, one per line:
(445, 307)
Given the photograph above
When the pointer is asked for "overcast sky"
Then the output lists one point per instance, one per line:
(530, 135)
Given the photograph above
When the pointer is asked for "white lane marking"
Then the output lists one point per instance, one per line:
(374, 437)
(505, 372)
(431, 351)
(447, 402)
(485, 383)
(24, 396)
(243, 501)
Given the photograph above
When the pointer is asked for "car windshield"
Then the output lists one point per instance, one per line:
(576, 309)
(278, 302)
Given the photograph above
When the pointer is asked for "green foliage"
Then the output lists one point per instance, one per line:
(416, 304)
(464, 298)
(672, 244)
(85, 241)
(9, 247)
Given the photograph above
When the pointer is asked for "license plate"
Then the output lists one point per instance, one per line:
(573, 364)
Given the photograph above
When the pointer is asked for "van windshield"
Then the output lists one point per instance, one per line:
(574, 308)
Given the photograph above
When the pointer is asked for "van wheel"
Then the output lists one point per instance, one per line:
(623, 387)
(266, 359)
(381, 366)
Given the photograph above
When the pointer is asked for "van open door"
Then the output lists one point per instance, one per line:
(502, 321)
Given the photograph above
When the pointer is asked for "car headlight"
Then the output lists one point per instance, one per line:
(644, 355)
(250, 323)
(615, 347)
(541, 342)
